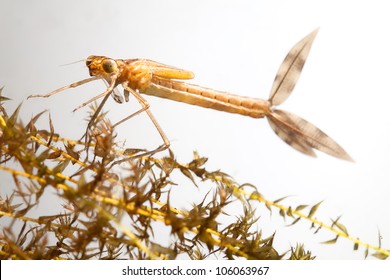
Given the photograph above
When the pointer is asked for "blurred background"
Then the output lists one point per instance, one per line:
(234, 46)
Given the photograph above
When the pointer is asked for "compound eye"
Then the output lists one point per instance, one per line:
(109, 66)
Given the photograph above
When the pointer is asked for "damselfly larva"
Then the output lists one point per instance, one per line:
(153, 78)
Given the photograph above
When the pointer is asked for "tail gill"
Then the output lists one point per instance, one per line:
(295, 131)
(304, 136)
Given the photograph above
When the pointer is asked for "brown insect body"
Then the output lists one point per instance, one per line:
(160, 80)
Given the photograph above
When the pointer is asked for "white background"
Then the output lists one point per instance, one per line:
(234, 46)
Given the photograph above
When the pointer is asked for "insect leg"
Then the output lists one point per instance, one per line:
(106, 92)
(79, 83)
(145, 107)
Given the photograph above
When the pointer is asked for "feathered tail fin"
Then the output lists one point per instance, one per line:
(295, 131)
(304, 136)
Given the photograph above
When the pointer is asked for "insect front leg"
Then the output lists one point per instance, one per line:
(76, 84)
(106, 92)
(145, 108)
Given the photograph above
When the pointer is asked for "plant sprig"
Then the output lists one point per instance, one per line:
(110, 211)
